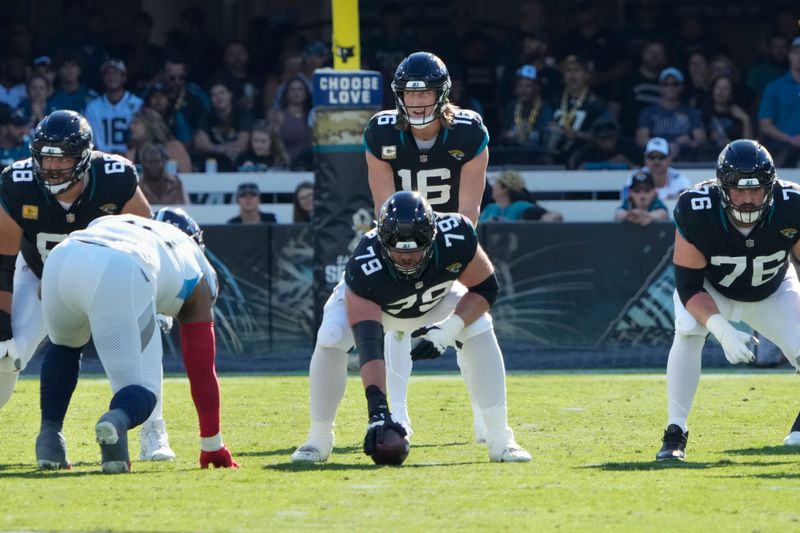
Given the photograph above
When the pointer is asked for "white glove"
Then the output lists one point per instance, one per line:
(164, 322)
(9, 357)
(733, 341)
(434, 339)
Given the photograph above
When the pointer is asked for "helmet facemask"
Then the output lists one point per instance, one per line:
(421, 71)
(406, 225)
(60, 181)
(746, 213)
(745, 164)
(442, 93)
(61, 134)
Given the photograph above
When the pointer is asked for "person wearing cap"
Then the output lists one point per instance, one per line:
(249, 199)
(71, 93)
(158, 185)
(642, 205)
(679, 124)
(606, 149)
(577, 110)
(43, 66)
(512, 201)
(13, 136)
(779, 113)
(110, 114)
(525, 118)
(669, 182)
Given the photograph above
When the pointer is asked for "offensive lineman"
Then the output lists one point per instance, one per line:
(60, 189)
(732, 245)
(108, 281)
(424, 273)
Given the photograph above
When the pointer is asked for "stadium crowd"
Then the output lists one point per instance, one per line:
(548, 95)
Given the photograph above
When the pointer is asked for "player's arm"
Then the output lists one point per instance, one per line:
(198, 348)
(364, 317)
(690, 266)
(137, 205)
(381, 180)
(10, 238)
(482, 292)
(473, 183)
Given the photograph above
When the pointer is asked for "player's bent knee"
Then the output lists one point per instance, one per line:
(480, 326)
(330, 335)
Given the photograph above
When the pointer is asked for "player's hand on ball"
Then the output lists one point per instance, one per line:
(734, 342)
(9, 357)
(220, 459)
(379, 424)
(435, 338)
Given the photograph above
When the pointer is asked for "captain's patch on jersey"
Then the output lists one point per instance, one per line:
(108, 209)
(31, 212)
(789, 232)
(455, 268)
(457, 154)
(389, 152)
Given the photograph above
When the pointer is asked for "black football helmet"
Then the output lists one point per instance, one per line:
(418, 72)
(62, 133)
(745, 164)
(406, 224)
(183, 221)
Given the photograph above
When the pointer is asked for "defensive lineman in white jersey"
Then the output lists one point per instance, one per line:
(108, 282)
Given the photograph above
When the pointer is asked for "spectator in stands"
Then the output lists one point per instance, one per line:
(76, 40)
(14, 129)
(34, 107)
(679, 124)
(266, 150)
(157, 99)
(697, 89)
(110, 114)
(186, 97)
(579, 108)
(669, 182)
(641, 205)
(236, 73)
(224, 132)
(303, 202)
(771, 67)
(290, 120)
(607, 149)
(315, 55)
(43, 66)
(458, 93)
(148, 127)
(535, 51)
(249, 199)
(200, 49)
(291, 66)
(641, 85)
(512, 202)
(71, 93)
(12, 80)
(158, 185)
(779, 113)
(723, 119)
(526, 118)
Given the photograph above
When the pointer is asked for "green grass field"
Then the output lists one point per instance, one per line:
(593, 438)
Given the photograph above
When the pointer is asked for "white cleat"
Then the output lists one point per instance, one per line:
(309, 454)
(510, 453)
(154, 442)
(793, 439)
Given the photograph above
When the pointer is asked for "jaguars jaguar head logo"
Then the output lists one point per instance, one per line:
(789, 232)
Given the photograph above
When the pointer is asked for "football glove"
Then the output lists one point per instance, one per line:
(436, 338)
(164, 322)
(9, 357)
(220, 459)
(733, 341)
(378, 424)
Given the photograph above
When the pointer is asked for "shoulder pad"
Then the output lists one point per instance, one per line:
(383, 118)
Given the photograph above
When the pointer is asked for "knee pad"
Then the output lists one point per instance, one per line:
(482, 325)
(330, 334)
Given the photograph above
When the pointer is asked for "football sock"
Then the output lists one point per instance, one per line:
(486, 380)
(135, 401)
(683, 376)
(199, 351)
(59, 377)
(477, 416)
(796, 425)
(327, 382)
(398, 372)
(8, 380)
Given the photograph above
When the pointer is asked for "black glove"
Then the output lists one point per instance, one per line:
(378, 424)
(426, 348)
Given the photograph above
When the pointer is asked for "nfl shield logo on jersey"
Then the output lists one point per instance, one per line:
(70, 217)
(749, 243)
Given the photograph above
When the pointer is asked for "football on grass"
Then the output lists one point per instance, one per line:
(393, 450)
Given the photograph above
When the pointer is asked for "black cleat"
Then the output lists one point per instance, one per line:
(674, 444)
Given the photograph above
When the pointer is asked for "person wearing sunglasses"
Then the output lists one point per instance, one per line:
(669, 182)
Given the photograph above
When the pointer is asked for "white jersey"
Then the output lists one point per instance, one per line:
(111, 122)
(165, 254)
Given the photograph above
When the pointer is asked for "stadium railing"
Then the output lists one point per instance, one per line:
(581, 196)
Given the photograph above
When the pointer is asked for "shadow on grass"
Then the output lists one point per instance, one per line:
(766, 450)
(306, 467)
(28, 471)
(686, 465)
(341, 449)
